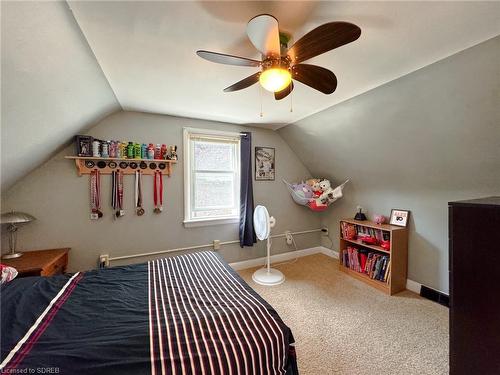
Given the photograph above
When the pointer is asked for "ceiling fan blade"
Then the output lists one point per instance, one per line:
(244, 83)
(284, 93)
(316, 77)
(263, 31)
(222, 58)
(323, 39)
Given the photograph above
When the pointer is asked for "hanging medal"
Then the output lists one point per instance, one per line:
(158, 192)
(138, 193)
(95, 195)
(117, 193)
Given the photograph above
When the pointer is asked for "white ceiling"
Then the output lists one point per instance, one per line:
(53, 87)
(147, 50)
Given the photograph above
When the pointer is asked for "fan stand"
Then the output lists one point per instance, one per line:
(268, 275)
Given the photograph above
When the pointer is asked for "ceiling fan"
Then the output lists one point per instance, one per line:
(281, 65)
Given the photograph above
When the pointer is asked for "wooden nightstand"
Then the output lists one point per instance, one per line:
(40, 262)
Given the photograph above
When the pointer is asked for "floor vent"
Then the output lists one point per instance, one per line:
(434, 295)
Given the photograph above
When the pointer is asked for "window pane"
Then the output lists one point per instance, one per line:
(212, 156)
(213, 191)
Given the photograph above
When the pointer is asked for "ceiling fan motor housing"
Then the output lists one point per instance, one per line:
(273, 62)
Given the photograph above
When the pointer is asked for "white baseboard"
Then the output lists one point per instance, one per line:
(410, 284)
(276, 258)
(413, 286)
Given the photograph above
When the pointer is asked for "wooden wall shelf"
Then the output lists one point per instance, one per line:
(398, 253)
(84, 167)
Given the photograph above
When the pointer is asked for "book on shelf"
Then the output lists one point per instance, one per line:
(375, 265)
(353, 231)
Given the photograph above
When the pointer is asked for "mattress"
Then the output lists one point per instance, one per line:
(189, 314)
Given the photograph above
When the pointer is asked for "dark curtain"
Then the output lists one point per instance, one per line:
(247, 233)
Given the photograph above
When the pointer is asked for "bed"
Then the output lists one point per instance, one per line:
(189, 314)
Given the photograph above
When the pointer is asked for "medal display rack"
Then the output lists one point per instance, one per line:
(86, 164)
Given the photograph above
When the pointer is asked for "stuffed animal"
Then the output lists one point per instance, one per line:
(312, 181)
(303, 190)
(324, 185)
(317, 188)
(330, 195)
(317, 205)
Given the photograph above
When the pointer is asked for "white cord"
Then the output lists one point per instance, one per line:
(288, 262)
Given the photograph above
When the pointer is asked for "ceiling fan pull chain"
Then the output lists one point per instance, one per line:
(261, 113)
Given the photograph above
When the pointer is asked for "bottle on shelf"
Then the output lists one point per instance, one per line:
(164, 151)
(96, 148)
(158, 151)
(137, 151)
(144, 151)
(151, 151)
(130, 150)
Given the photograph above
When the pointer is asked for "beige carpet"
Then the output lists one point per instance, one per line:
(342, 326)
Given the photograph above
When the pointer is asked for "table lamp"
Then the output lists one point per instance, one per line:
(14, 219)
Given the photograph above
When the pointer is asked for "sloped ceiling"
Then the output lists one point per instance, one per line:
(52, 85)
(147, 50)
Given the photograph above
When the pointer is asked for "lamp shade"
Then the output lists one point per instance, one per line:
(14, 217)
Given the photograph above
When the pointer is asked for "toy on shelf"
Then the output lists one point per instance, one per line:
(315, 193)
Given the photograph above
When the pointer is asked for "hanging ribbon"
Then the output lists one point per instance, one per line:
(117, 193)
(158, 192)
(95, 195)
(138, 194)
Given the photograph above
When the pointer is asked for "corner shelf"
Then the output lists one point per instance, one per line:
(398, 254)
(84, 169)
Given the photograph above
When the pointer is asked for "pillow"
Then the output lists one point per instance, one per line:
(7, 273)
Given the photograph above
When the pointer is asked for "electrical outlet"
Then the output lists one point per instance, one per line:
(216, 244)
(289, 238)
(324, 231)
(104, 261)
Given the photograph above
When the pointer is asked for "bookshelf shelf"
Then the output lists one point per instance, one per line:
(398, 255)
(373, 247)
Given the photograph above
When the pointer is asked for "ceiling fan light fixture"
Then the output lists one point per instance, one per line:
(275, 79)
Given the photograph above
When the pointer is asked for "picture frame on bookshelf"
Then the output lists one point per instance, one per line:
(399, 217)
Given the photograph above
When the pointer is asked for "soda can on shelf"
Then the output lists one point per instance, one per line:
(96, 148)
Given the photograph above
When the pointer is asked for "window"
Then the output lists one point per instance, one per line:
(211, 177)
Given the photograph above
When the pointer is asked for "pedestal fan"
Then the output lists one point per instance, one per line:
(263, 223)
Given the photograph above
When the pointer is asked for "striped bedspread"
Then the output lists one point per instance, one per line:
(190, 314)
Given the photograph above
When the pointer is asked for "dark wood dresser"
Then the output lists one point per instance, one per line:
(474, 265)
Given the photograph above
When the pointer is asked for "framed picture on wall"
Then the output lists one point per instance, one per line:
(399, 217)
(265, 163)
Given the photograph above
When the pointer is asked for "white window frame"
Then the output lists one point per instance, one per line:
(189, 221)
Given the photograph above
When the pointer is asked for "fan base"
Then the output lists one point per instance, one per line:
(263, 277)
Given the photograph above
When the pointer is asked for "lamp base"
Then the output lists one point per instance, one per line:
(273, 277)
(12, 255)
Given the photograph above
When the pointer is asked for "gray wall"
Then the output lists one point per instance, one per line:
(52, 85)
(59, 199)
(415, 143)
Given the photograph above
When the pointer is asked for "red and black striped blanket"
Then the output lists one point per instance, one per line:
(189, 314)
